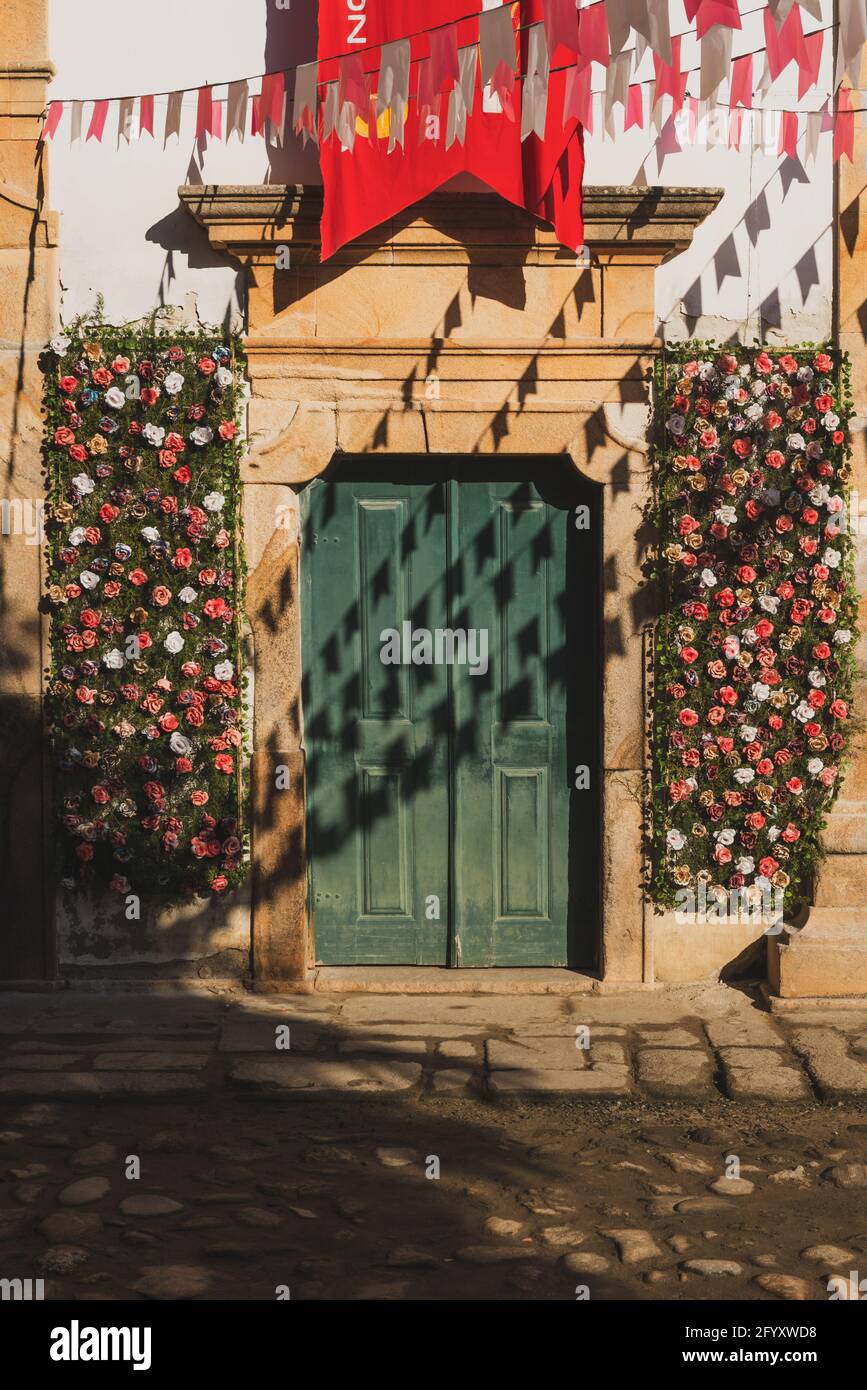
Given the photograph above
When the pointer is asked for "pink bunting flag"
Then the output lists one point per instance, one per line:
(204, 112)
(670, 81)
(146, 116)
(707, 13)
(789, 134)
(784, 47)
(741, 91)
(268, 105)
(736, 122)
(52, 120)
(809, 60)
(593, 35)
(97, 121)
(844, 126)
(217, 120)
(578, 99)
(444, 57)
(634, 107)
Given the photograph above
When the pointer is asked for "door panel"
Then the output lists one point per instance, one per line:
(376, 734)
(512, 785)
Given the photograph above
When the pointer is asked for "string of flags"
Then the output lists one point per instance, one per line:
(595, 34)
(552, 69)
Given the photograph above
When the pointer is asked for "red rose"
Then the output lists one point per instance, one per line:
(195, 717)
(64, 435)
(90, 617)
(137, 577)
(182, 475)
(100, 795)
(183, 765)
(183, 558)
(224, 763)
(68, 385)
(108, 513)
(161, 595)
(78, 453)
(199, 798)
(206, 366)
(838, 709)
(743, 448)
(169, 505)
(219, 883)
(149, 395)
(227, 430)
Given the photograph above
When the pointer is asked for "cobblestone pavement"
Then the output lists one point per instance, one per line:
(361, 1146)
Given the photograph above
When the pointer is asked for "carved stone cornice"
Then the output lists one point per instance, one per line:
(477, 228)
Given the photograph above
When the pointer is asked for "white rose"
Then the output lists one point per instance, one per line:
(830, 420)
(174, 643)
(725, 837)
(796, 442)
(804, 712)
(727, 515)
(225, 671)
(213, 502)
(150, 534)
(60, 343)
(76, 535)
(748, 732)
(842, 636)
(114, 659)
(769, 602)
(831, 558)
(760, 690)
(180, 745)
(745, 864)
(675, 840)
(224, 376)
(708, 578)
(187, 594)
(816, 677)
(115, 398)
(173, 383)
(677, 423)
(83, 484)
(201, 435)
(731, 647)
(744, 775)
(814, 766)
(88, 579)
(154, 434)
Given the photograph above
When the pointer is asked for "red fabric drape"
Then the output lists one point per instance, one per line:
(366, 186)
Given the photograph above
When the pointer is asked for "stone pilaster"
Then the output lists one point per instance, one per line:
(828, 957)
(28, 317)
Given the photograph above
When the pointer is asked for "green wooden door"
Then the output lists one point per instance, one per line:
(444, 824)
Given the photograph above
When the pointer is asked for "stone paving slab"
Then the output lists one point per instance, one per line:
(535, 1054)
(77, 1085)
(322, 1076)
(747, 1030)
(675, 1072)
(601, 1082)
(837, 1074)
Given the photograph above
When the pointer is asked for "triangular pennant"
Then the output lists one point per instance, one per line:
(709, 14)
(786, 46)
(146, 116)
(789, 134)
(741, 89)
(634, 107)
(809, 61)
(52, 120)
(844, 126)
(593, 35)
(173, 115)
(204, 112)
(561, 25)
(236, 110)
(97, 121)
(444, 56)
(534, 104)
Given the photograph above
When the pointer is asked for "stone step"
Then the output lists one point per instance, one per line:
(843, 881)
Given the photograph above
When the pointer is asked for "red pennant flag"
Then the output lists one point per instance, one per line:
(707, 13)
(789, 134)
(217, 120)
(784, 47)
(809, 60)
(52, 120)
(736, 119)
(204, 112)
(670, 81)
(593, 35)
(366, 186)
(268, 105)
(561, 26)
(634, 107)
(844, 126)
(146, 116)
(97, 121)
(741, 90)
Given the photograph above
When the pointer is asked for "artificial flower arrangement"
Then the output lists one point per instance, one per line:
(145, 591)
(754, 652)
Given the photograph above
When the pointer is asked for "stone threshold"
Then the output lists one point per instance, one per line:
(802, 1003)
(432, 979)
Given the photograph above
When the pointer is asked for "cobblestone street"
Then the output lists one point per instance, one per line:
(691, 1146)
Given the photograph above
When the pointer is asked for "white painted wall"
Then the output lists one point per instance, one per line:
(763, 260)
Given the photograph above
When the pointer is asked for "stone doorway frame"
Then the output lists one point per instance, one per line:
(460, 327)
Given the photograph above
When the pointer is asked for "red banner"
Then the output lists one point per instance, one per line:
(365, 186)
